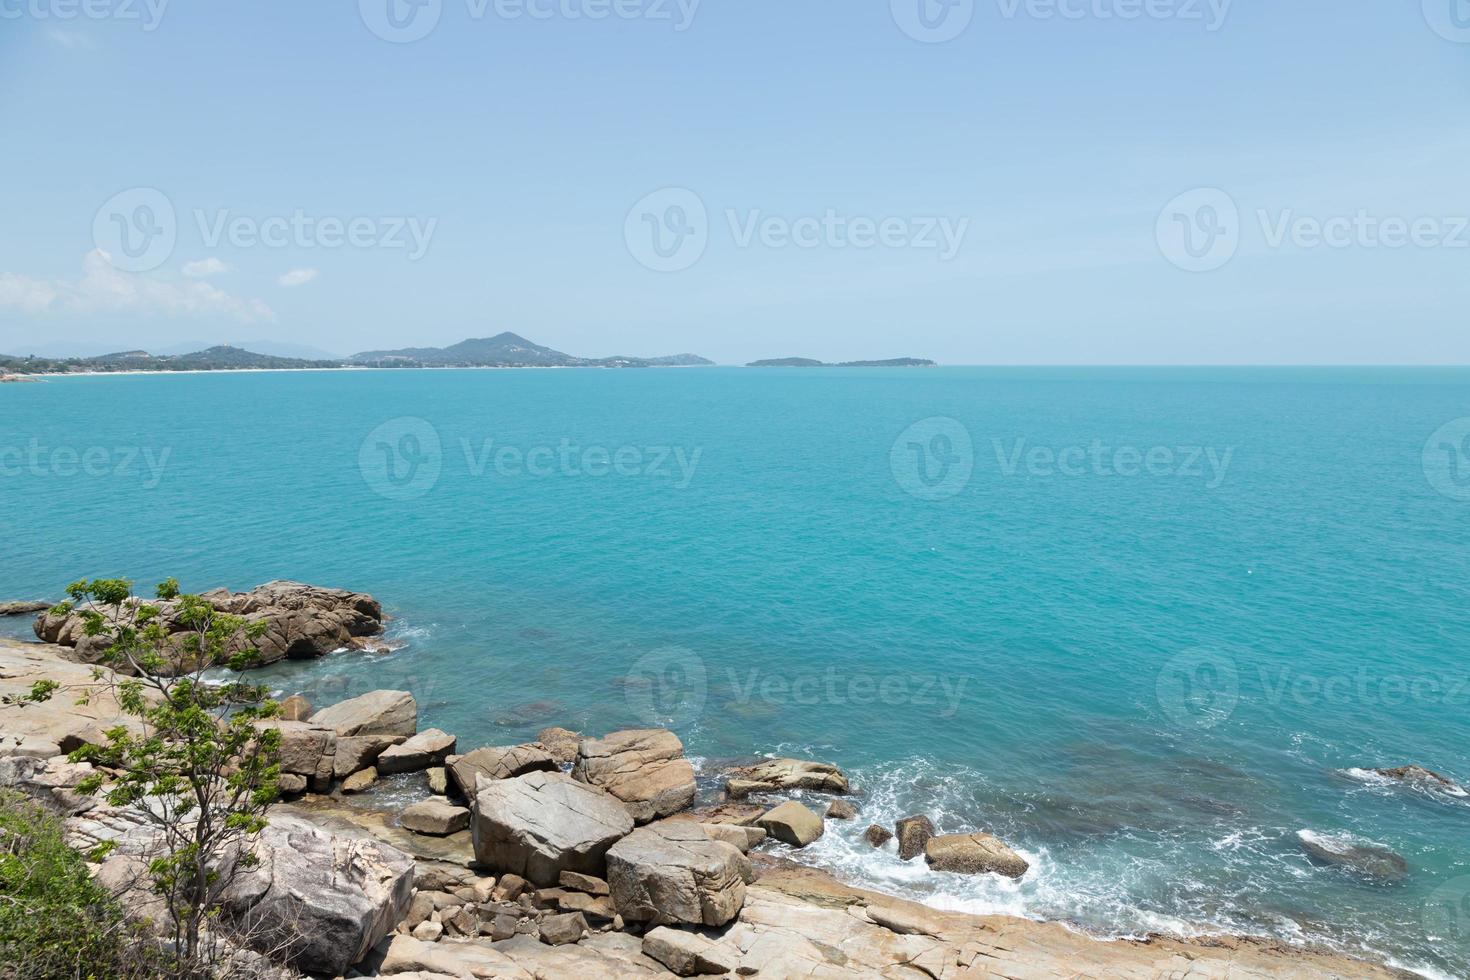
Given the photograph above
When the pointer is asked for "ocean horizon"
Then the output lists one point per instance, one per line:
(1148, 625)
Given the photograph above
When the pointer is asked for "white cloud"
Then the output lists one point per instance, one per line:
(298, 277)
(103, 289)
(204, 268)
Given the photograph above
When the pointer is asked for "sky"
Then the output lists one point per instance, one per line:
(974, 181)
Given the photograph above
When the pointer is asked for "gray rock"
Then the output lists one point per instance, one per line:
(496, 762)
(423, 750)
(357, 752)
(359, 781)
(374, 713)
(688, 955)
(1427, 778)
(973, 854)
(23, 608)
(788, 774)
(671, 872)
(743, 838)
(541, 824)
(578, 882)
(324, 900)
(560, 930)
(295, 708)
(435, 818)
(560, 743)
(645, 768)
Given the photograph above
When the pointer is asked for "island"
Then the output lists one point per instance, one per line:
(807, 362)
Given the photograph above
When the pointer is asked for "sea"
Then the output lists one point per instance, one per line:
(1147, 625)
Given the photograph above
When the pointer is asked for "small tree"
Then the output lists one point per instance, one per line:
(195, 762)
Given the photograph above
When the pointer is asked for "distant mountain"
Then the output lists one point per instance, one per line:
(807, 362)
(299, 352)
(222, 358)
(506, 350)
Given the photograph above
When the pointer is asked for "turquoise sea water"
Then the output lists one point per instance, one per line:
(1142, 628)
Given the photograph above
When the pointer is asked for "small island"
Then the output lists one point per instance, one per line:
(807, 362)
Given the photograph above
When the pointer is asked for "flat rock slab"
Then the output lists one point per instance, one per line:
(671, 872)
(786, 774)
(543, 823)
(425, 749)
(973, 854)
(374, 713)
(645, 768)
(497, 762)
(435, 818)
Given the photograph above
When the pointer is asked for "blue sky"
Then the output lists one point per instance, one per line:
(1001, 197)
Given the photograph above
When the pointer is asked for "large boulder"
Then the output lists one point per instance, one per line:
(435, 818)
(561, 743)
(973, 854)
(320, 900)
(497, 762)
(358, 752)
(787, 774)
(672, 872)
(301, 622)
(791, 823)
(425, 749)
(1365, 858)
(306, 750)
(543, 823)
(374, 713)
(645, 768)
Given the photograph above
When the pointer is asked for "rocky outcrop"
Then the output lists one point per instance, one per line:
(1361, 857)
(560, 743)
(425, 749)
(775, 775)
(496, 762)
(1425, 778)
(791, 823)
(374, 713)
(645, 768)
(543, 823)
(23, 608)
(672, 872)
(325, 900)
(913, 833)
(301, 622)
(973, 854)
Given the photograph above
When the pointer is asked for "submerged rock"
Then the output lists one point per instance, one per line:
(1361, 857)
(645, 768)
(543, 823)
(973, 854)
(23, 608)
(1419, 776)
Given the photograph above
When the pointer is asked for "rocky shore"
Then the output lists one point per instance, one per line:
(574, 856)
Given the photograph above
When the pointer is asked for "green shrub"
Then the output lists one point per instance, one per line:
(55, 921)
